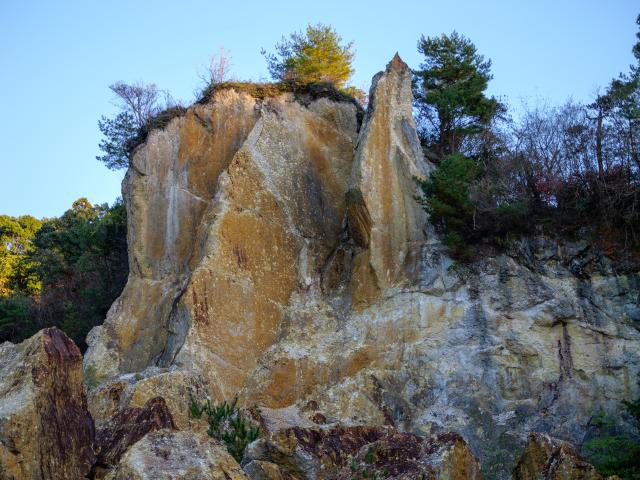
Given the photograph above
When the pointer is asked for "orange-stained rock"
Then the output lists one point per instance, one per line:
(232, 208)
(46, 432)
(384, 217)
(547, 458)
(168, 192)
(281, 257)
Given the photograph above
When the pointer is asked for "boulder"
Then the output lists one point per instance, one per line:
(176, 387)
(273, 420)
(261, 470)
(547, 458)
(127, 427)
(338, 452)
(46, 431)
(177, 455)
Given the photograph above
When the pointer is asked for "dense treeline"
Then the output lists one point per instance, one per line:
(62, 272)
(570, 171)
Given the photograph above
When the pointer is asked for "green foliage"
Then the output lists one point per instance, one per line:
(226, 424)
(449, 94)
(564, 171)
(17, 319)
(118, 133)
(16, 243)
(317, 55)
(78, 263)
(370, 456)
(614, 452)
(366, 469)
(446, 199)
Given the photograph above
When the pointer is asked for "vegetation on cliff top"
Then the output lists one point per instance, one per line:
(570, 171)
(313, 65)
(316, 56)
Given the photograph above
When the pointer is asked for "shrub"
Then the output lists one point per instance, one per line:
(446, 199)
(316, 55)
(227, 424)
(613, 451)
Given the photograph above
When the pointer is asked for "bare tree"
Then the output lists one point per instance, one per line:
(138, 99)
(218, 69)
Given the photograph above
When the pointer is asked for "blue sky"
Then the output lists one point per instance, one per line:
(57, 59)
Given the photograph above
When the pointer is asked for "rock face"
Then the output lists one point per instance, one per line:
(383, 217)
(46, 431)
(277, 254)
(343, 453)
(177, 456)
(547, 458)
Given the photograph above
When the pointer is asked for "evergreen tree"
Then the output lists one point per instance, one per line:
(63, 272)
(139, 104)
(118, 133)
(449, 92)
(317, 55)
(446, 199)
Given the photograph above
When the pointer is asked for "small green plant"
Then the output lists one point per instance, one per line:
(91, 380)
(370, 456)
(226, 424)
(368, 470)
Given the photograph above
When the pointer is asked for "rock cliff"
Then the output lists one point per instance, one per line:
(277, 253)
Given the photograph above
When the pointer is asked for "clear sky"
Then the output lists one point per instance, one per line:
(57, 59)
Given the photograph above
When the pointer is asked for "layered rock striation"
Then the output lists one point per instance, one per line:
(277, 253)
(46, 431)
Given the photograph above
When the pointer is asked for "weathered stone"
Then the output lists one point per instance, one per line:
(344, 452)
(177, 456)
(273, 420)
(261, 470)
(546, 458)
(46, 431)
(272, 205)
(383, 216)
(176, 387)
(168, 192)
(127, 427)
(407, 456)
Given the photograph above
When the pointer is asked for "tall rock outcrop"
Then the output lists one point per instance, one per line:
(383, 216)
(46, 431)
(277, 253)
